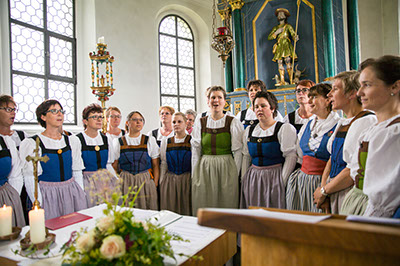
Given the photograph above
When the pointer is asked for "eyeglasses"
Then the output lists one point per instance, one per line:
(95, 117)
(304, 90)
(136, 120)
(115, 116)
(55, 111)
(9, 109)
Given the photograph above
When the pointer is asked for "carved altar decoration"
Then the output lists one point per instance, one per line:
(103, 89)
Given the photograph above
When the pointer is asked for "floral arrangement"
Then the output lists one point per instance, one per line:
(119, 239)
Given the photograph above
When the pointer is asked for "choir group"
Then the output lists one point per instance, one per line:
(313, 159)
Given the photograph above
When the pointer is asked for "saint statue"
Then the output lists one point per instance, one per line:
(283, 48)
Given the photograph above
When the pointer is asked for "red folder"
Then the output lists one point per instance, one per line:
(65, 220)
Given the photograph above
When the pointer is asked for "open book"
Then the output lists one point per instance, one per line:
(164, 218)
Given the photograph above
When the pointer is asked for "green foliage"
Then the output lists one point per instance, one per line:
(145, 243)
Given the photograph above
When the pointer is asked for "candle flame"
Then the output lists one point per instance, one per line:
(36, 208)
(4, 206)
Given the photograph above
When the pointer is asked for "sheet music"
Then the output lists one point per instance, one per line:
(374, 220)
(302, 218)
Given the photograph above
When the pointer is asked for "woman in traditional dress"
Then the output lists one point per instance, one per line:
(113, 116)
(176, 169)
(166, 130)
(270, 148)
(303, 114)
(375, 165)
(248, 116)
(216, 156)
(11, 180)
(60, 189)
(137, 159)
(336, 180)
(311, 149)
(96, 152)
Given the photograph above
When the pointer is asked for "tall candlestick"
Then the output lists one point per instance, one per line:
(5, 220)
(36, 223)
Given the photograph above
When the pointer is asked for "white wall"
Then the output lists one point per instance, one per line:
(379, 27)
(130, 29)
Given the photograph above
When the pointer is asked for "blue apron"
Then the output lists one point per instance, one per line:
(265, 151)
(179, 156)
(5, 162)
(59, 166)
(245, 122)
(134, 158)
(94, 157)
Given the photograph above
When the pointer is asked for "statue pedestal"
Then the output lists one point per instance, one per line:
(238, 101)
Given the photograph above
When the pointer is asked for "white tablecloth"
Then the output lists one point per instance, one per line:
(186, 227)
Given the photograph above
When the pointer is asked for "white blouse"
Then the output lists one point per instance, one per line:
(350, 143)
(287, 137)
(112, 136)
(160, 136)
(98, 140)
(318, 128)
(27, 147)
(297, 118)
(382, 170)
(236, 131)
(251, 115)
(152, 147)
(15, 176)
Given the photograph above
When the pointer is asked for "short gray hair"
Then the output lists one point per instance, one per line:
(191, 112)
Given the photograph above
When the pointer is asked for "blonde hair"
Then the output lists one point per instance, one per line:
(112, 108)
(215, 88)
(170, 109)
(181, 114)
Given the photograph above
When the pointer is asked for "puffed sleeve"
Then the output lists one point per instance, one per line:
(154, 150)
(196, 143)
(25, 149)
(237, 142)
(111, 159)
(116, 149)
(163, 157)
(15, 178)
(287, 139)
(77, 162)
(246, 161)
(286, 119)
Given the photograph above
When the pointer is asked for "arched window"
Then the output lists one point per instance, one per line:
(43, 56)
(177, 72)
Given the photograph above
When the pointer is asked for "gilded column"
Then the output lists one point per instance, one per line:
(228, 63)
(354, 35)
(238, 51)
(329, 38)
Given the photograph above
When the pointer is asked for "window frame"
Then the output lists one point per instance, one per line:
(177, 66)
(47, 76)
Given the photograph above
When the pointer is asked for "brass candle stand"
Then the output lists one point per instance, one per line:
(103, 87)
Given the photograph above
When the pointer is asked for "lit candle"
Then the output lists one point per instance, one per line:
(101, 40)
(5, 220)
(36, 222)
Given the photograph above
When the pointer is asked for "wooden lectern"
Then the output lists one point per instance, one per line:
(334, 241)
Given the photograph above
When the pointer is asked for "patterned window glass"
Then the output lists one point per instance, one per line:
(43, 56)
(177, 73)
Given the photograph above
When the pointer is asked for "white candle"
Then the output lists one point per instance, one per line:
(101, 40)
(36, 223)
(5, 220)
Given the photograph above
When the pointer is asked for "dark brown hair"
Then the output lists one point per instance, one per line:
(215, 88)
(6, 99)
(257, 83)
(270, 97)
(130, 116)
(321, 89)
(91, 108)
(386, 68)
(43, 108)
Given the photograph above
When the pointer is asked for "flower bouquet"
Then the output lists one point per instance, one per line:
(119, 239)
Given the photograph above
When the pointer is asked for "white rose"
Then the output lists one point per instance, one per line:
(113, 247)
(85, 242)
(105, 223)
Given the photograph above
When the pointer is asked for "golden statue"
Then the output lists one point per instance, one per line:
(283, 49)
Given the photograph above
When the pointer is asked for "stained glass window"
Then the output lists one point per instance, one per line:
(177, 72)
(43, 56)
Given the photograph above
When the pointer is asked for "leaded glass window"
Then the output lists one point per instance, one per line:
(177, 71)
(43, 56)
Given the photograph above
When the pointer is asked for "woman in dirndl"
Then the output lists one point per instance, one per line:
(60, 190)
(270, 148)
(375, 165)
(96, 152)
(137, 159)
(336, 181)
(312, 152)
(175, 178)
(216, 156)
